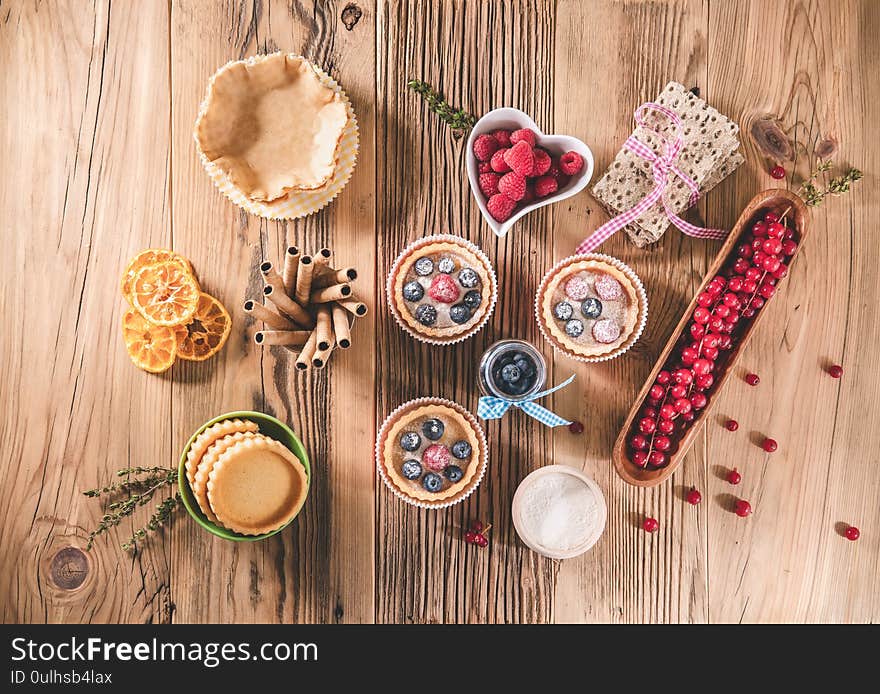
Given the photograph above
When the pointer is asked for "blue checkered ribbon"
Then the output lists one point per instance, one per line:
(489, 407)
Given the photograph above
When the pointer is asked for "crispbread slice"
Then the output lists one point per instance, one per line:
(710, 141)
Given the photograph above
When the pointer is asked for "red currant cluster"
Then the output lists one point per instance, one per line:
(476, 535)
(724, 308)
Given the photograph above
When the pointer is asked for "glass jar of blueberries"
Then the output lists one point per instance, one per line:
(513, 370)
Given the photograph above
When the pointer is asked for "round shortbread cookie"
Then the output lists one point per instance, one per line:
(256, 486)
(206, 439)
(199, 484)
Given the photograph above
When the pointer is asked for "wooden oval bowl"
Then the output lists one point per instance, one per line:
(775, 200)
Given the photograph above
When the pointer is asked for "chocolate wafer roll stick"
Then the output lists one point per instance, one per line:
(341, 329)
(291, 338)
(354, 306)
(304, 279)
(322, 355)
(304, 360)
(321, 258)
(328, 294)
(288, 306)
(291, 263)
(268, 316)
(272, 277)
(324, 329)
(331, 277)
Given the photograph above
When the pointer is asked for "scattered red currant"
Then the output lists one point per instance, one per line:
(753, 379)
(836, 371)
(651, 525)
(852, 533)
(743, 508)
(769, 445)
(694, 497)
(734, 477)
(576, 428)
(777, 172)
(477, 534)
(731, 425)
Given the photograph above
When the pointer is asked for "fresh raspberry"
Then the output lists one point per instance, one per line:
(545, 185)
(489, 184)
(436, 456)
(503, 137)
(571, 163)
(521, 158)
(556, 173)
(512, 185)
(608, 288)
(484, 147)
(443, 288)
(523, 135)
(484, 167)
(500, 207)
(542, 163)
(577, 288)
(605, 331)
(497, 164)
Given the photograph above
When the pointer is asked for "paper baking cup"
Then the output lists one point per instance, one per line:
(626, 270)
(297, 203)
(475, 482)
(441, 238)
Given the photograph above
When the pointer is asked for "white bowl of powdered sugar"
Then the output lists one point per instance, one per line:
(559, 512)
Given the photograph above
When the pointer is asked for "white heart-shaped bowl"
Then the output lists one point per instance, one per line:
(514, 119)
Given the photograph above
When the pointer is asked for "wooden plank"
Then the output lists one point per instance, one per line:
(85, 131)
(634, 50)
(788, 561)
(320, 570)
(424, 569)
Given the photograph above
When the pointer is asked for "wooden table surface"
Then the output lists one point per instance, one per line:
(97, 104)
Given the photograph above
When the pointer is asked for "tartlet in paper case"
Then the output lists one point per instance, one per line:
(514, 168)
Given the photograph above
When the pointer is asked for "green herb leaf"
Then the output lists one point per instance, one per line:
(456, 118)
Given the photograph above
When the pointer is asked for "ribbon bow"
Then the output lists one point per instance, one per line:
(661, 166)
(490, 407)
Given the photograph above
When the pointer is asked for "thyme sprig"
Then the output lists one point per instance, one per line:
(455, 118)
(814, 196)
(135, 493)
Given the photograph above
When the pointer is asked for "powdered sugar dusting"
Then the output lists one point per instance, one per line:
(559, 512)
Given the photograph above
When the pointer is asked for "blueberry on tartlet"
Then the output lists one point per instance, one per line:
(413, 291)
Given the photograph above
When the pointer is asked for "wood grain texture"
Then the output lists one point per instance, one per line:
(636, 48)
(424, 571)
(97, 106)
(321, 570)
(821, 476)
(90, 189)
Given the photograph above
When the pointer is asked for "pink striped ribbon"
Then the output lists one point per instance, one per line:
(661, 165)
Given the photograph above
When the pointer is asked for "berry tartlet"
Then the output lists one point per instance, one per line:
(431, 452)
(442, 289)
(591, 307)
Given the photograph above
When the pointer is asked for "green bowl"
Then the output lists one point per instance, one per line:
(270, 427)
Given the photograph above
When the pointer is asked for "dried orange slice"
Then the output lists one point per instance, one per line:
(149, 257)
(151, 347)
(206, 332)
(165, 293)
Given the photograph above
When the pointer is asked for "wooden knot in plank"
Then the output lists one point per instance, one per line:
(771, 139)
(69, 568)
(351, 15)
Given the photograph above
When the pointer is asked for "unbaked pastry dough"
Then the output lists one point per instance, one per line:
(271, 126)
